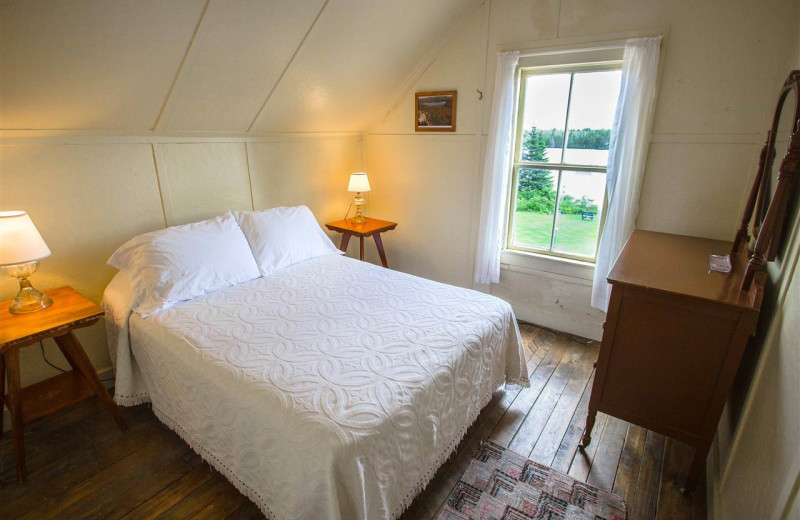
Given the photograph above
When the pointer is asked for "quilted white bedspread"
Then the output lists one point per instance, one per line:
(332, 390)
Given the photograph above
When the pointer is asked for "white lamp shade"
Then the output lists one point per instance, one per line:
(20, 241)
(359, 182)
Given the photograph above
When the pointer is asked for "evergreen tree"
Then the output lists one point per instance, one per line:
(534, 149)
(535, 190)
(534, 145)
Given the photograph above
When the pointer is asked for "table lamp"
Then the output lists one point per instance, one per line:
(359, 183)
(21, 248)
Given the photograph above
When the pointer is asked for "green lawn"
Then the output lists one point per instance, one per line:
(573, 235)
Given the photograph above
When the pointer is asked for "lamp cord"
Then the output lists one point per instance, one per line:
(348, 210)
(41, 347)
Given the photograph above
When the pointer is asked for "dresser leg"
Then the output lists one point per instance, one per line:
(15, 407)
(587, 432)
(76, 357)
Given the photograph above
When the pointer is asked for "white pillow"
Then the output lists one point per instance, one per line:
(183, 262)
(280, 237)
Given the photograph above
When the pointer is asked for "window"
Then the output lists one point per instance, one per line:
(560, 158)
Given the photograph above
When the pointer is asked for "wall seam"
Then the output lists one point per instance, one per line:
(249, 176)
(558, 17)
(158, 183)
(286, 68)
(477, 185)
(180, 67)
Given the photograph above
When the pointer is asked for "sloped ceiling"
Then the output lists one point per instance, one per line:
(197, 66)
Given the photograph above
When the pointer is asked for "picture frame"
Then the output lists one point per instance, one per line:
(435, 111)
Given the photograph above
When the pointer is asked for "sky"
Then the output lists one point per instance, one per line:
(594, 98)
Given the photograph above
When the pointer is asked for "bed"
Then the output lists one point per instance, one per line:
(330, 390)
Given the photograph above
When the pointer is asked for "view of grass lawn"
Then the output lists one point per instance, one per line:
(573, 235)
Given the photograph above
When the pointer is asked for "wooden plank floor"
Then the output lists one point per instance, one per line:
(81, 466)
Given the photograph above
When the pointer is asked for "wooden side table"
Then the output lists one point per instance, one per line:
(69, 311)
(372, 227)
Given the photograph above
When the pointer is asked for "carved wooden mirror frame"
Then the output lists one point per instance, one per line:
(767, 226)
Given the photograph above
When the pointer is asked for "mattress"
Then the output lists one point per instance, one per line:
(332, 390)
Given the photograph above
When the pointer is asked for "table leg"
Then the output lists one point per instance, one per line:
(361, 256)
(15, 407)
(76, 357)
(2, 390)
(379, 245)
(345, 242)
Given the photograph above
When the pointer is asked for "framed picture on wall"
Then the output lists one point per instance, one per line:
(435, 111)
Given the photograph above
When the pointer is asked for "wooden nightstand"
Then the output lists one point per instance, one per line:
(372, 227)
(69, 311)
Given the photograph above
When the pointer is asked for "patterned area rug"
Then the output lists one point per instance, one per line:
(502, 485)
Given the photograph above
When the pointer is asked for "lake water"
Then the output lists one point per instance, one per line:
(579, 184)
(579, 156)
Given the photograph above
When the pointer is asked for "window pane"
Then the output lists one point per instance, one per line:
(543, 117)
(591, 113)
(580, 203)
(535, 208)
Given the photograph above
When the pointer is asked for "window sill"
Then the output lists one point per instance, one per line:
(565, 269)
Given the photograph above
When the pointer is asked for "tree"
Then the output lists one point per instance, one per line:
(571, 206)
(590, 139)
(534, 146)
(535, 191)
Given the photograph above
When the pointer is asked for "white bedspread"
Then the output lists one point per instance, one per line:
(332, 390)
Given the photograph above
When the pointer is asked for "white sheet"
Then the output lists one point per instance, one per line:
(332, 390)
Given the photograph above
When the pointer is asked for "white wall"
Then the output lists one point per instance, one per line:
(87, 196)
(754, 465)
(719, 76)
(249, 66)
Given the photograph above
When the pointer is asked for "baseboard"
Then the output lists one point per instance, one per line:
(106, 376)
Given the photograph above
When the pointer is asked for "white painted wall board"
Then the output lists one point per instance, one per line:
(352, 62)
(202, 180)
(432, 236)
(238, 56)
(312, 171)
(90, 64)
(86, 200)
(695, 189)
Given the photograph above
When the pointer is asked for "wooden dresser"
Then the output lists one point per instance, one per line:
(673, 339)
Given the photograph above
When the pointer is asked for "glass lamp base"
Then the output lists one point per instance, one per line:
(28, 299)
(359, 217)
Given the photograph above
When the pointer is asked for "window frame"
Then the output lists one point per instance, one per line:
(517, 163)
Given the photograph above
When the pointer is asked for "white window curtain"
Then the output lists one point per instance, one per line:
(626, 156)
(495, 171)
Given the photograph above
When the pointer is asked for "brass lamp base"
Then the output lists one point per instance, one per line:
(28, 299)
